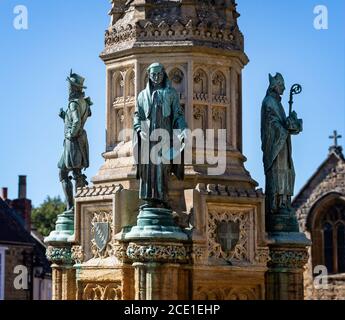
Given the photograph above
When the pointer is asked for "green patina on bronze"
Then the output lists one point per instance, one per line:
(158, 107)
(75, 156)
(276, 131)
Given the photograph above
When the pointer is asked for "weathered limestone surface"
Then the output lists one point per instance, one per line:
(323, 194)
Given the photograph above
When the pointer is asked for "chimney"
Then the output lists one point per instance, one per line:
(23, 205)
(4, 193)
(22, 187)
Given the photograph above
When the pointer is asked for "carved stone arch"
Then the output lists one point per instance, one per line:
(200, 117)
(219, 118)
(322, 222)
(325, 201)
(177, 76)
(120, 124)
(171, 67)
(241, 294)
(200, 86)
(218, 84)
(92, 292)
(112, 292)
(118, 84)
(130, 83)
(102, 291)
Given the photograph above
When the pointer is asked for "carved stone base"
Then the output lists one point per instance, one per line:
(158, 266)
(64, 280)
(224, 258)
(60, 255)
(288, 257)
(64, 275)
(158, 281)
(157, 252)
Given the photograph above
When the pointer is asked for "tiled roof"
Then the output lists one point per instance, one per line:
(11, 230)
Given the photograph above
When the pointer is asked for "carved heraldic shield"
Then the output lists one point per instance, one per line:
(101, 235)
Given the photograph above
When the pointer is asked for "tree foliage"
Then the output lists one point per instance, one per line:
(44, 217)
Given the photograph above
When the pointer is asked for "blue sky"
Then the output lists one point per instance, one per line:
(279, 36)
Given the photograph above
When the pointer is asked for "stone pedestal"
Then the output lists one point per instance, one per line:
(288, 257)
(283, 221)
(63, 275)
(156, 223)
(60, 253)
(159, 270)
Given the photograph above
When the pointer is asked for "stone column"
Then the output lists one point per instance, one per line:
(288, 257)
(59, 252)
(64, 276)
(157, 267)
(233, 104)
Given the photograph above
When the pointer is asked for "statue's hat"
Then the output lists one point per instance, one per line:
(76, 80)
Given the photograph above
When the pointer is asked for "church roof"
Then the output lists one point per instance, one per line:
(328, 166)
(11, 229)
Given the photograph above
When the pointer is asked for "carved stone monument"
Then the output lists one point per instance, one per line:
(219, 248)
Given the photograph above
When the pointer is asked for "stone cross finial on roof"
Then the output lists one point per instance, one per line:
(335, 147)
(335, 138)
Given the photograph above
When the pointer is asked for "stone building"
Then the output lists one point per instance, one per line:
(321, 212)
(21, 251)
(227, 252)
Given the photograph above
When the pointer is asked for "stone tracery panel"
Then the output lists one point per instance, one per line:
(118, 87)
(120, 124)
(200, 90)
(230, 247)
(219, 87)
(102, 291)
(219, 118)
(200, 117)
(178, 80)
(130, 86)
(227, 293)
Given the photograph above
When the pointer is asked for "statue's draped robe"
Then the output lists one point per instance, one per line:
(276, 147)
(158, 109)
(76, 149)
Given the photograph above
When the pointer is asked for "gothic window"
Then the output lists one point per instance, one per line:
(328, 246)
(328, 236)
